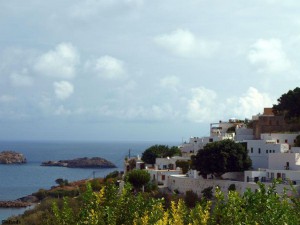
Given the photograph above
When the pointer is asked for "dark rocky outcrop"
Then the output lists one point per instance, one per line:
(11, 157)
(95, 162)
(14, 204)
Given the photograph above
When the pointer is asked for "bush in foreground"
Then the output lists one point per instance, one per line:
(108, 206)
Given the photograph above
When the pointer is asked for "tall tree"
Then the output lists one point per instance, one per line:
(159, 151)
(138, 178)
(288, 104)
(221, 157)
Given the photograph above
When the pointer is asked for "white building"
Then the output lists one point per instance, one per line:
(218, 132)
(164, 168)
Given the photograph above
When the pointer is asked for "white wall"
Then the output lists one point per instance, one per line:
(183, 184)
(281, 137)
(278, 161)
(260, 150)
(161, 176)
(243, 133)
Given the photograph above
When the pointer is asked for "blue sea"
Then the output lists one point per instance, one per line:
(17, 181)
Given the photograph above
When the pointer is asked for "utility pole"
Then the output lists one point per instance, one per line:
(129, 153)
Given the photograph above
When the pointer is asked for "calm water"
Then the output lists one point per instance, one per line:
(20, 180)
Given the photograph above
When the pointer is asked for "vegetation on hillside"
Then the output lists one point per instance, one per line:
(111, 207)
(289, 105)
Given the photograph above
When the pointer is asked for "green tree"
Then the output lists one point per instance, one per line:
(61, 182)
(297, 143)
(288, 104)
(184, 165)
(138, 178)
(159, 151)
(221, 157)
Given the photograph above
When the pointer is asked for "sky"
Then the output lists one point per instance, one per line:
(141, 70)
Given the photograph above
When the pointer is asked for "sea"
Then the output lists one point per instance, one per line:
(17, 181)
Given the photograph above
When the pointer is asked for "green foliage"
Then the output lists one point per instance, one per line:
(159, 151)
(113, 174)
(184, 165)
(297, 143)
(138, 178)
(231, 187)
(221, 157)
(41, 194)
(207, 193)
(110, 206)
(96, 184)
(191, 198)
(288, 104)
(61, 182)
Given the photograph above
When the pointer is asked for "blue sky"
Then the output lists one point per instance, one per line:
(141, 69)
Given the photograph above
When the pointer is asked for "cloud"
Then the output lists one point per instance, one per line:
(153, 112)
(269, 56)
(201, 106)
(63, 89)
(206, 106)
(185, 44)
(61, 110)
(170, 82)
(60, 62)
(107, 67)
(90, 8)
(249, 104)
(21, 79)
(7, 98)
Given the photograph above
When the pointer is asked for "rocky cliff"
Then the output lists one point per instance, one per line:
(11, 157)
(95, 162)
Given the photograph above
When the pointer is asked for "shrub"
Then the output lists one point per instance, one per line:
(207, 193)
(191, 198)
(231, 187)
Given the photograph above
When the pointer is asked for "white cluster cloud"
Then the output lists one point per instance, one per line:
(63, 89)
(21, 79)
(202, 107)
(249, 104)
(60, 62)
(269, 56)
(206, 106)
(107, 67)
(185, 44)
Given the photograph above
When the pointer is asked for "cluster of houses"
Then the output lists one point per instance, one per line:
(270, 145)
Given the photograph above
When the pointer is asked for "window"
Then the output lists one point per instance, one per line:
(285, 141)
(163, 177)
(267, 151)
(273, 151)
(272, 175)
(211, 140)
(277, 140)
(258, 150)
(283, 176)
(251, 150)
(268, 174)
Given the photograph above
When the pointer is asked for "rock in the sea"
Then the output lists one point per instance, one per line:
(95, 162)
(11, 157)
